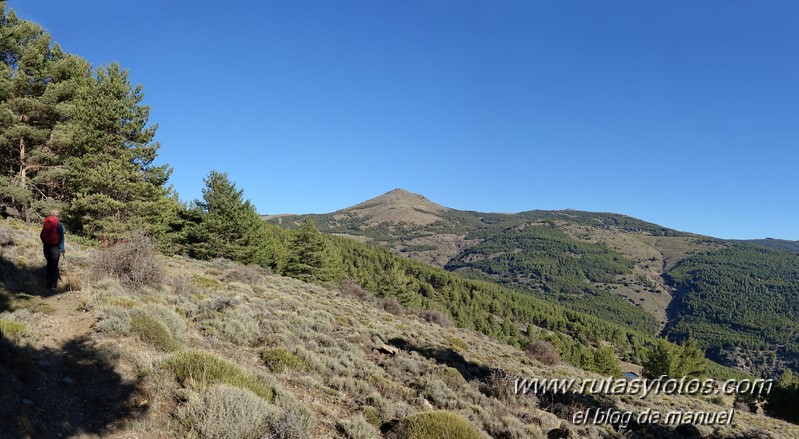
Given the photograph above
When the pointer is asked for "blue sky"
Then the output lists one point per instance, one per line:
(683, 113)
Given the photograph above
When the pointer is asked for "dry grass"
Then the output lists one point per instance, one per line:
(12, 330)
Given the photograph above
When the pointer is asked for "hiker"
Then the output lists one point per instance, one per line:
(53, 243)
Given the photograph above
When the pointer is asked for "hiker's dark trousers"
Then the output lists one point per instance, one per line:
(52, 253)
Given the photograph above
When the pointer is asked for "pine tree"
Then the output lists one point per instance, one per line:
(115, 184)
(227, 226)
(38, 84)
(605, 361)
(310, 258)
(660, 360)
(674, 361)
(783, 401)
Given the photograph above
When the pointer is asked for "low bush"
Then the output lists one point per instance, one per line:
(458, 345)
(351, 288)
(113, 320)
(207, 282)
(13, 357)
(279, 359)
(153, 332)
(203, 370)
(543, 351)
(453, 378)
(133, 261)
(435, 425)
(294, 423)
(169, 318)
(391, 306)
(359, 428)
(437, 317)
(248, 274)
(502, 385)
(372, 415)
(225, 412)
(109, 299)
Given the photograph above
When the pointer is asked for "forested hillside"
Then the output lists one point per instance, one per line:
(782, 244)
(742, 304)
(613, 267)
(544, 260)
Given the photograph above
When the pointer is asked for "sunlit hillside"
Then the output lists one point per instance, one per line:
(220, 350)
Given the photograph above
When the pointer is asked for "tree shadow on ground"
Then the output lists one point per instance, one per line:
(470, 371)
(62, 392)
(19, 287)
(563, 405)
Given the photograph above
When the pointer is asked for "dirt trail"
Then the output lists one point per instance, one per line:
(66, 322)
(72, 391)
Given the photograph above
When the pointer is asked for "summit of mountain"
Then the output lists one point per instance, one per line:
(394, 207)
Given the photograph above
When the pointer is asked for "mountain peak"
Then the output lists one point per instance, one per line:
(397, 206)
(400, 194)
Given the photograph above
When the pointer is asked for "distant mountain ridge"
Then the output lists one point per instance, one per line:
(609, 265)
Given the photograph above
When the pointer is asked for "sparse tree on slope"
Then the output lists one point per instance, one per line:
(310, 258)
(605, 361)
(228, 226)
(674, 361)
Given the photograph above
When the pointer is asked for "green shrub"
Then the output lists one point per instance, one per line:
(154, 332)
(453, 378)
(170, 319)
(435, 425)
(279, 359)
(203, 369)
(225, 412)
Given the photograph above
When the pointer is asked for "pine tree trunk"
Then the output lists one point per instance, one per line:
(22, 167)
